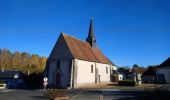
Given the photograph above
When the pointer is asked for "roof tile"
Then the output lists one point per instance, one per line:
(83, 51)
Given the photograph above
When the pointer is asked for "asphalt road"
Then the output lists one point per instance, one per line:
(102, 94)
(14, 94)
(93, 94)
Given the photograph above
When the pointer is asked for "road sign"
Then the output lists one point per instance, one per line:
(45, 83)
(45, 79)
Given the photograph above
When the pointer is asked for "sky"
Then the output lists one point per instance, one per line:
(127, 31)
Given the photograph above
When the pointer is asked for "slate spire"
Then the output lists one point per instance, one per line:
(91, 38)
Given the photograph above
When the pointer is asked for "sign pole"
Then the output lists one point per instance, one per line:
(45, 84)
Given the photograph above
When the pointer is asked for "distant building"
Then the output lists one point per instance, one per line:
(116, 76)
(163, 72)
(12, 79)
(149, 76)
(135, 74)
(73, 62)
(123, 75)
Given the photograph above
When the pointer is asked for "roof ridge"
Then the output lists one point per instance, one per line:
(83, 51)
(73, 37)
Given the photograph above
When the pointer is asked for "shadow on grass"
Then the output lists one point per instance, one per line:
(39, 97)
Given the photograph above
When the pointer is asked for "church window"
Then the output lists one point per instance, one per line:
(106, 69)
(58, 64)
(91, 68)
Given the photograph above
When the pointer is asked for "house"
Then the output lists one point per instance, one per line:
(163, 72)
(12, 79)
(73, 62)
(135, 74)
(116, 76)
(149, 76)
(122, 75)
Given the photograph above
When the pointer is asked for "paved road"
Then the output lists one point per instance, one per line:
(100, 94)
(14, 94)
(93, 94)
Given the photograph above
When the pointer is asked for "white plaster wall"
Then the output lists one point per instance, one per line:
(113, 67)
(104, 77)
(120, 77)
(84, 74)
(166, 73)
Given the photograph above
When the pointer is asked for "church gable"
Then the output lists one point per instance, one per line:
(61, 49)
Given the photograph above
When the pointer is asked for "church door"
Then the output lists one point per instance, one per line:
(58, 80)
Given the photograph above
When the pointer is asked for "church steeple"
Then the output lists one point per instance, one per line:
(91, 38)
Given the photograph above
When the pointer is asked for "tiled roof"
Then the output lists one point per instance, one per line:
(150, 71)
(138, 70)
(166, 63)
(83, 51)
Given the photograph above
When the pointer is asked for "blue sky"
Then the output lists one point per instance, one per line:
(127, 31)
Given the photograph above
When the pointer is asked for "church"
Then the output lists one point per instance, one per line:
(74, 63)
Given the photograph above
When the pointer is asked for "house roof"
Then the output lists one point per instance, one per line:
(83, 51)
(166, 63)
(139, 70)
(150, 71)
(10, 74)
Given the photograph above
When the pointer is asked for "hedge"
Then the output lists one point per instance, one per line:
(1, 82)
(126, 83)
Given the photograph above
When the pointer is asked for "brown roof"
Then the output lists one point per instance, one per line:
(150, 71)
(138, 70)
(83, 51)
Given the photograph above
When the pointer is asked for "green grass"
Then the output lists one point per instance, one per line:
(126, 83)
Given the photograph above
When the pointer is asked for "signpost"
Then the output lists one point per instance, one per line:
(45, 83)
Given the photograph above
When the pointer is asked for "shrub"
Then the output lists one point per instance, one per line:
(126, 83)
(1, 82)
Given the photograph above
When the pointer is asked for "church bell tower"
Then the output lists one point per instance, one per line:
(91, 38)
